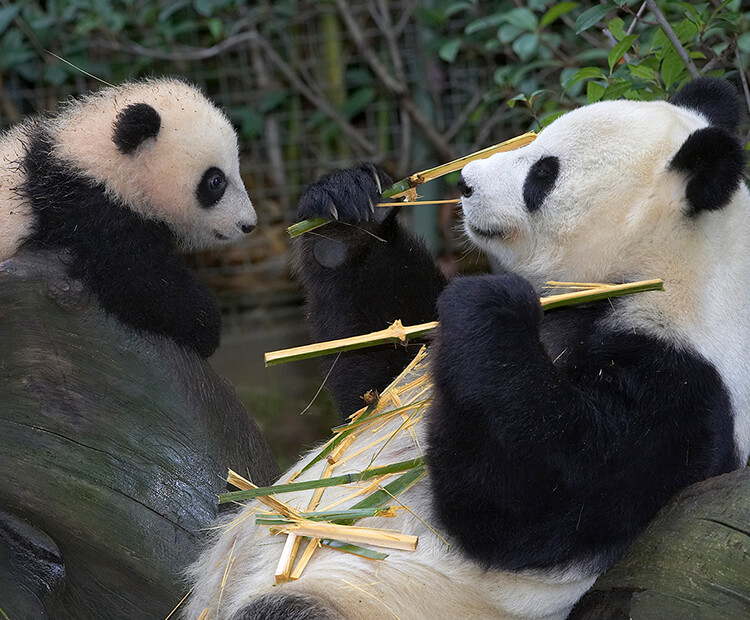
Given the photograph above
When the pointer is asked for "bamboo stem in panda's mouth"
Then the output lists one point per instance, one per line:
(406, 188)
(399, 334)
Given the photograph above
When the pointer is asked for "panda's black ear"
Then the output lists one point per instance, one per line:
(133, 125)
(718, 100)
(712, 159)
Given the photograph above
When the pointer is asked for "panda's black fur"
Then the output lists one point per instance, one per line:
(524, 401)
(129, 262)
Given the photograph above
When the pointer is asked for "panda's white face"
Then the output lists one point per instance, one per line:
(592, 191)
(175, 161)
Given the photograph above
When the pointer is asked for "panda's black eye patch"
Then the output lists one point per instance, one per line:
(539, 181)
(211, 187)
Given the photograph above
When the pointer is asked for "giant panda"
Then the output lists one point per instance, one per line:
(551, 440)
(119, 179)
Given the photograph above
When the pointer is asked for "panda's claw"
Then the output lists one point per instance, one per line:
(334, 211)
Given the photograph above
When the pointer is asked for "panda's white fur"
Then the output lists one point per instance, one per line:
(618, 212)
(158, 181)
(627, 183)
(433, 581)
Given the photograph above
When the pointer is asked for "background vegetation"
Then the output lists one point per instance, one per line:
(316, 85)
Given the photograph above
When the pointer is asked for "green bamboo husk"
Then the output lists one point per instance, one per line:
(237, 496)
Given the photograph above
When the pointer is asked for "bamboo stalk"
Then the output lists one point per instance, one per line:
(395, 332)
(353, 534)
(398, 333)
(264, 492)
(404, 186)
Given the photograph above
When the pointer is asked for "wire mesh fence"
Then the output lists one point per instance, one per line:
(305, 100)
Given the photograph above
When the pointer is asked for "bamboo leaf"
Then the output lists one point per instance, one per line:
(363, 552)
(237, 496)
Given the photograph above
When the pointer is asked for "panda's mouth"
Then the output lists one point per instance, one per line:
(501, 233)
(220, 236)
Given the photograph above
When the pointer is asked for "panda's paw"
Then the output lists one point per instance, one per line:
(477, 306)
(350, 196)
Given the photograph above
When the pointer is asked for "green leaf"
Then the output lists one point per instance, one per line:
(671, 67)
(691, 13)
(457, 7)
(7, 15)
(594, 91)
(616, 28)
(204, 8)
(743, 42)
(642, 71)
(272, 100)
(526, 45)
(449, 50)
(512, 101)
(583, 74)
(557, 11)
(358, 101)
(216, 28)
(618, 51)
(508, 32)
(363, 552)
(591, 16)
(491, 21)
(550, 118)
(616, 90)
(522, 18)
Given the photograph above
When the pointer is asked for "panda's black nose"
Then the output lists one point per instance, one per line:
(466, 191)
(247, 228)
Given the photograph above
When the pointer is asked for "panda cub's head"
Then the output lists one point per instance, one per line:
(612, 191)
(161, 148)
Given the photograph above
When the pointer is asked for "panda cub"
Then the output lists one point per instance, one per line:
(551, 439)
(118, 179)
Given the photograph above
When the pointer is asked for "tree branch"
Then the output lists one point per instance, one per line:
(294, 80)
(673, 39)
(433, 136)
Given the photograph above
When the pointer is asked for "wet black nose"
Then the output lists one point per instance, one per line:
(466, 191)
(247, 228)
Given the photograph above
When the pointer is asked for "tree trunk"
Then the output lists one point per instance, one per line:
(113, 447)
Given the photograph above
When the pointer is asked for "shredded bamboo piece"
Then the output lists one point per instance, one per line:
(353, 534)
(244, 484)
(398, 333)
(305, 558)
(286, 561)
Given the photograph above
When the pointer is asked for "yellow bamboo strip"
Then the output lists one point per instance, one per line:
(304, 559)
(365, 448)
(286, 561)
(204, 614)
(353, 534)
(410, 203)
(439, 171)
(244, 484)
(416, 383)
(374, 484)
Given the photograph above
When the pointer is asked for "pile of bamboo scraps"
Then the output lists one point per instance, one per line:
(361, 471)
(355, 475)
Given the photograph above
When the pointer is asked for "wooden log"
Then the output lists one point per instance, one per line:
(691, 561)
(113, 447)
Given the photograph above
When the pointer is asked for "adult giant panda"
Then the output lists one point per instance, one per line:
(551, 440)
(118, 179)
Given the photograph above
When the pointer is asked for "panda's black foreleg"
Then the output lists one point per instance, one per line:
(138, 279)
(361, 272)
(535, 466)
